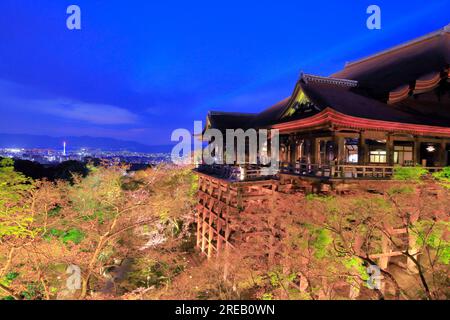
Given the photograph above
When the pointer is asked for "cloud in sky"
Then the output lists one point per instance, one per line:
(89, 112)
(11, 95)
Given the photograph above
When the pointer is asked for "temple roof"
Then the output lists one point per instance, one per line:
(347, 102)
(343, 100)
(229, 120)
(405, 84)
(402, 65)
(271, 114)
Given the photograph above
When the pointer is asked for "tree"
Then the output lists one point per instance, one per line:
(15, 218)
(95, 222)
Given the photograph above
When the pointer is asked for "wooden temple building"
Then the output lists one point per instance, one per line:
(389, 109)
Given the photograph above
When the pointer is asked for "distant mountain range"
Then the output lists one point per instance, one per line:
(28, 141)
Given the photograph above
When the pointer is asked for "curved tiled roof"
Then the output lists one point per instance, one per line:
(402, 65)
(362, 88)
(350, 103)
(229, 120)
(272, 113)
(345, 101)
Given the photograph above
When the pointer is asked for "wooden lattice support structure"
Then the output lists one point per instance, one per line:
(217, 199)
(221, 202)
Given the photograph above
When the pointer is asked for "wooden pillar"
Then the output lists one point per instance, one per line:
(339, 143)
(199, 214)
(227, 253)
(199, 225)
(390, 150)
(227, 233)
(363, 151)
(219, 222)
(293, 150)
(446, 153)
(210, 231)
(417, 160)
(204, 228)
(318, 159)
(442, 154)
(312, 150)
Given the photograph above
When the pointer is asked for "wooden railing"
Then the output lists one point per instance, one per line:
(347, 171)
(237, 173)
(363, 171)
(304, 169)
(343, 171)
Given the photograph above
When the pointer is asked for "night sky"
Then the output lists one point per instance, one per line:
(139, 69)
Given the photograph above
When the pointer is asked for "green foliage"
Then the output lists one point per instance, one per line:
(267, 296)
(175, 227)
(317, 197)
(443, 176)
(72, 235)
(185, 178)
(277, 277)
(9, 278)
(96, 196)
(401, 190)
(328, 203)
(55, 211)
(34, 291)
(432, 234)
(14, 218)
(274, 277)
(194, 184)
(321, 241)
(409, 173)
(444, 256)
(251, 282)
(370, 205)
(355, 265)
(164, 215)
(80, 212)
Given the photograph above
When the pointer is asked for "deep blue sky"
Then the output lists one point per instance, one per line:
(139, 69)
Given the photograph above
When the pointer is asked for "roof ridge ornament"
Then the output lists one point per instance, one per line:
(329, 80)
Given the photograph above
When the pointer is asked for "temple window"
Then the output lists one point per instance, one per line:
(351, 150)
(377, 150)
(403, 155)
(377, 156)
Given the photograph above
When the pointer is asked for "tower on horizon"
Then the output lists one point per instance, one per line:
(64, 148)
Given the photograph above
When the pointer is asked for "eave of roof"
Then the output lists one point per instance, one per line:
(330, 118)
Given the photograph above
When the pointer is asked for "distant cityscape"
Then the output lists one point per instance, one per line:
(48, 156)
